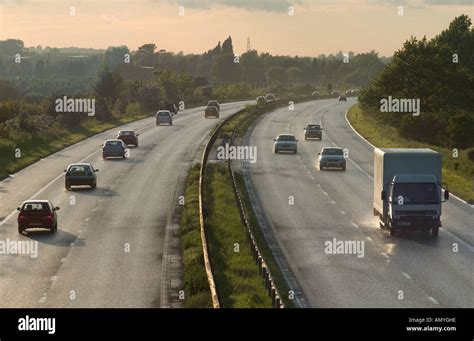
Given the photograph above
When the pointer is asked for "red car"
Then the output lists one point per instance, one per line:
(128, 137)
(37, 214)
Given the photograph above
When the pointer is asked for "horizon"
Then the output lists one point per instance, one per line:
(99, 25)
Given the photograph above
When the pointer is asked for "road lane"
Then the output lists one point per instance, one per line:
(109, 248)
(407, 271)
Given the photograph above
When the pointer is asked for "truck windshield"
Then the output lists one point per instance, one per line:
(416, 193)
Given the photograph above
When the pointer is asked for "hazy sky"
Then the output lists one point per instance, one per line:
(316, 27)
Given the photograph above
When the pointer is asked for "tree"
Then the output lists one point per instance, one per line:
(145, 55)
(294, 74)
(252, 67)
(276, 74)
(227, 47)
(109, 85)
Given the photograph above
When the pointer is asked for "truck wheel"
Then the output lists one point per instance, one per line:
(434, 232)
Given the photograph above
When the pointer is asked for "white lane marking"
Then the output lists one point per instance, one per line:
(44, 188)
(318, 185)
(53, 278)
(433, 300)
(407, 276)
(87, 219)
(79, 231)
(333, 202)
(385, 255)
(313, 178)
(369, 239)
(342, 212)
(63, 260)
(42, 299)
(325, 193)
(355, 225)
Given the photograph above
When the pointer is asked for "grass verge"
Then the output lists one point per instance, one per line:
(458, 173)
(195, 282)
(236, 274)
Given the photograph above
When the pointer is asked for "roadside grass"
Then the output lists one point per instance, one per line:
(236, 274)
(196, 287)
(43, 145)
(458, 173)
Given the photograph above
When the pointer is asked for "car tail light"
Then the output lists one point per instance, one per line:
(21, 216)
(50, 216)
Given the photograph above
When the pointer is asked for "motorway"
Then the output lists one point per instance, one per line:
(411, 270)
(108, 251)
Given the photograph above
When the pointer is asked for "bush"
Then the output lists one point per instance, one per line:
(470, 154)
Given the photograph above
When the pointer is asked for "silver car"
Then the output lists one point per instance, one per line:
(164, 117)
(80, 174)
(285, 143)
(332, 157)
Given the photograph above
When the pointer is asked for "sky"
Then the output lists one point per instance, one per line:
(283, 27)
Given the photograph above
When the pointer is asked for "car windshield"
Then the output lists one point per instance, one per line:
(286, 138)
(416, 193)
(36, 207)
(113, 143)
(332, 151)
(163, 113)
(313, 127)
(79, 170)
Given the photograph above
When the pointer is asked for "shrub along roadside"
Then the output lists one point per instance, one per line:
(458, 173)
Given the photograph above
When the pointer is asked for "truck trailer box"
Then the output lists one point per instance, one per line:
(390, 162)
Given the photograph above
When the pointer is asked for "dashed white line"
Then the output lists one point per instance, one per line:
(342, 212)
(407, 276)
(333, 202)
(325, 193)
(355, 225)
(42, 299)
(87, 219)
(63, 260)
(53, 278)
(433, 300)
(369, 239)
(385, 255)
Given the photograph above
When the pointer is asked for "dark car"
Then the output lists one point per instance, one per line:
(37, 214)
(313, 131)
(172, 108)
(211, 111)
(261, 100)
(129, 137)
(114, 148)
(81, 174)
(214, 103)
(164, 117)
(342, 98)
(270, 97)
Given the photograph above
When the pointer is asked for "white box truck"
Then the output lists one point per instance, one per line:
(407, 189)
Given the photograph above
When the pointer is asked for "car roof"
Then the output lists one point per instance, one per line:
(313, 124)
(286, 135)
(35, 201)
(128, 130)
(331, 148)
(113, 140)
(80, 164)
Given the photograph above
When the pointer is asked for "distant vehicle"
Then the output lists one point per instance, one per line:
(129, 137)
(315, 94)
(313, 131)
(172, 108)
(80, 174)
(332, 157)
(342, 98)
(407, 189)
(270, 97)
(114, 148)
(261, 100)
(211, 111)
(285, 143)
(214, 103)
(335, 93)
(37, 214)
(164, 117)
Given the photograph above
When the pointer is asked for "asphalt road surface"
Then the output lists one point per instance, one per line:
(411, 270)
(109, 246)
